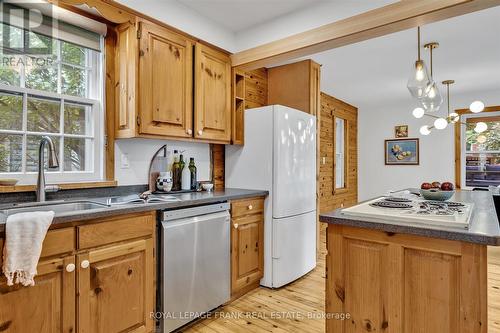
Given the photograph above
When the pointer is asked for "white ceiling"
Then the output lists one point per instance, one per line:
(376, 71)
(238, 15)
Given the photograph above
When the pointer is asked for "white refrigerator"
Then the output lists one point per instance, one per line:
(279, 155)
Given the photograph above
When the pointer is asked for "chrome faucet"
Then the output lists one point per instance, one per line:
(53, 162)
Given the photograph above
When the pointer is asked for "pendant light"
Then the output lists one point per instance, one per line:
(432, 99)
(476, 107)
(419, 80)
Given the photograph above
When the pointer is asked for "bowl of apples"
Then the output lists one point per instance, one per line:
(437, 191)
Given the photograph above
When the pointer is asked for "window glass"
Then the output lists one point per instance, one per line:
(482, 153)
(339, 153)
(11, 111)
(44, 115)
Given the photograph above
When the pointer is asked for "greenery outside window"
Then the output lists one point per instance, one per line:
(481, 151)
(57, 94)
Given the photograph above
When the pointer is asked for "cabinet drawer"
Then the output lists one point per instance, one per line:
(247, 206)
(56, 242)
(116, 229)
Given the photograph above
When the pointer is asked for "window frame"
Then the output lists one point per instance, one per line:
(95, 87)
(337, 190)
(460, 150)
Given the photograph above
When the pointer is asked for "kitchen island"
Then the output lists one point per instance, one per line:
(400, 276)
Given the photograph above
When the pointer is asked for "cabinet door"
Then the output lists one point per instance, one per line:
(247, 256)
(166, 82)
(46, 307)
(126, 72)
(116, 288)
(212, 112)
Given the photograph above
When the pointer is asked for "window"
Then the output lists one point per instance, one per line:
(481, 151)
(55, 91)
(340, 168)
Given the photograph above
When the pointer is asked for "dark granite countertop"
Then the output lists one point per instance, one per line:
(484, 227)
(186, 200)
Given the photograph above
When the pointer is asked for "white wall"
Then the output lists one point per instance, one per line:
(140, 151)
(302, 20)
(183, 18)
(437, 154)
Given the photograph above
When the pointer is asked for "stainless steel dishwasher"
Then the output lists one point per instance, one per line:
(195, 263)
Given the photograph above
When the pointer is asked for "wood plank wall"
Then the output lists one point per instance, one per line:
(255, 96)
(329, 197)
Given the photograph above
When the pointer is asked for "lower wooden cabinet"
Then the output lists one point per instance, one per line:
(103, 285)
(247, 245)
(115, 289)
(404, 283)
(47, 307)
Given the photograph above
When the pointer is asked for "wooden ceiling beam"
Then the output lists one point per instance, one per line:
(382, 21)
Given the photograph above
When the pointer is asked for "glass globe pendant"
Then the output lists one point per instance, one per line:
(476, 107)
(432, 99)
(440, 123)
(419, 79)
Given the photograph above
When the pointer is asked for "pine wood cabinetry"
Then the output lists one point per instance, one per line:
(212, 111)
(95, 277)
(296, 85)
(247, 245)
(165, 82)
(47, 307)
(170, 86)
(403, 283)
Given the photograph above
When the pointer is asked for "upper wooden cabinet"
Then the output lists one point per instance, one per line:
(212, 112)
(159, 95)
(165, 82)
(296, 85)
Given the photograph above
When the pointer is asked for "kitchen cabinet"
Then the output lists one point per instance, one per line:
(247, 245)
(47, 307)
(170, 86)
(115, 289)
(404, 283)
(296, 85)
(165, 82)
(212, 110)
(82, 275)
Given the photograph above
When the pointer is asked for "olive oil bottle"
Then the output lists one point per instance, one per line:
(192, 171)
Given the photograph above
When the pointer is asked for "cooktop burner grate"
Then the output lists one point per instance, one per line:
(442, 203)
(390, 204)
(395, 199)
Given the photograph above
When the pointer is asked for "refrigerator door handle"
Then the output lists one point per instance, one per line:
(275, 247)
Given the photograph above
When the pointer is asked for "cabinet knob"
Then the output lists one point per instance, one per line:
(70, 268)
(85, 264)
(189, 131)
(235, 225)
(200, 132)
(250, 207)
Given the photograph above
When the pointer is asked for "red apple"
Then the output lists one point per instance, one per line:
(447, 186)
(426, 186)
(436, 185)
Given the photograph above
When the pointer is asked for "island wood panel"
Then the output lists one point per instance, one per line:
(421, 284)
(307, 296)
(255, 96)
(329, 197)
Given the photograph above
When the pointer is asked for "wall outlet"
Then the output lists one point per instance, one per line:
(324, 160)
(124, 162)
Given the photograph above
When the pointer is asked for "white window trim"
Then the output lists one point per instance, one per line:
(463, 146)
(96, 173)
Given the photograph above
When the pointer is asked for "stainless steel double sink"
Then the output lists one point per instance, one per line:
(59, 207)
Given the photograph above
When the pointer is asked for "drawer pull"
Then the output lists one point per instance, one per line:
(189, 132)
(235, 225)
(85, 264)
(70, 268)
(250, 207)
(200, 132)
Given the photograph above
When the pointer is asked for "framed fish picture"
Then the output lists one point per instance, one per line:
(402, 152)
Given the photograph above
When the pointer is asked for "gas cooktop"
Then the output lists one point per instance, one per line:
(427, 212)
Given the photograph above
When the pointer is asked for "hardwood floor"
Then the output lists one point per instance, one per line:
(299, 306)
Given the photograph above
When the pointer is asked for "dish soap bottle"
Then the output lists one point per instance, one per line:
(192, 171)
(176, 173)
